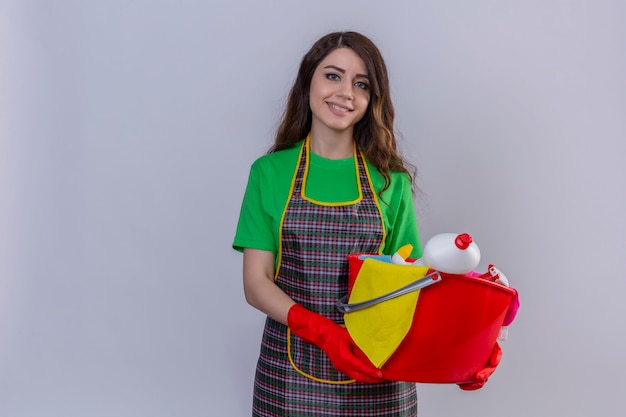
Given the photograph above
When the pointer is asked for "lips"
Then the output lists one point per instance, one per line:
(337, 108)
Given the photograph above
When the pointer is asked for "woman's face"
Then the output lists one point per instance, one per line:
(340, 91)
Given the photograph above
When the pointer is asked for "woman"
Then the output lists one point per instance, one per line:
(332, 184)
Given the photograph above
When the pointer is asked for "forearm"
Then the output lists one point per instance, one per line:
(265, 296)
(259, 287)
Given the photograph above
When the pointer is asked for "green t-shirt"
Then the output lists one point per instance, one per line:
(328, 180)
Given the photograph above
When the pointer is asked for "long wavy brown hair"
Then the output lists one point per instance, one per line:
(374, 133)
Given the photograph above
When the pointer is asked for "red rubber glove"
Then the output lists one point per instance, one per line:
(334, 340)
(481, 377)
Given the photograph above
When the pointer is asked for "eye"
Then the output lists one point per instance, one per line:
(332, 76)
(362, 85)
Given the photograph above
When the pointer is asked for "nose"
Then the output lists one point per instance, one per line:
(346, 91)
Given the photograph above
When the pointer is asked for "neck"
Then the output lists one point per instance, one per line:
(337, 145)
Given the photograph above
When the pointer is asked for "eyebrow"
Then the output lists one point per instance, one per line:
(343, 71)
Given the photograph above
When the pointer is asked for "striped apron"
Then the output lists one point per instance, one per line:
(295, 378)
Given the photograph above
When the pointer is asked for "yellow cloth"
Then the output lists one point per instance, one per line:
(378, 330)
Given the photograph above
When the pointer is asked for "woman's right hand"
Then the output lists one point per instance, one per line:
(335, 341)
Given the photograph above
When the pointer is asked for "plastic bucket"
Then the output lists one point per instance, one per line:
(454, 330)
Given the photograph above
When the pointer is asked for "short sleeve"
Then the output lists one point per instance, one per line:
(403, 227)
(254, 228)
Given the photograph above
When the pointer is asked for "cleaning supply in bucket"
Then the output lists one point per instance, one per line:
(451, 253)
(371, 328)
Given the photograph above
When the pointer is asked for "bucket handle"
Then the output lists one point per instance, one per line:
(425, 281)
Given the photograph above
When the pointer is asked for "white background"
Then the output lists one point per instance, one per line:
(126, 132)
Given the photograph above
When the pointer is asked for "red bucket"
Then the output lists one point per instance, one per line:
(455, 328)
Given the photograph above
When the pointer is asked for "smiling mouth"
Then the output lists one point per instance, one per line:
(339, 108)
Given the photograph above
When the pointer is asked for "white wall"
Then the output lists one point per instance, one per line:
(126, 133)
